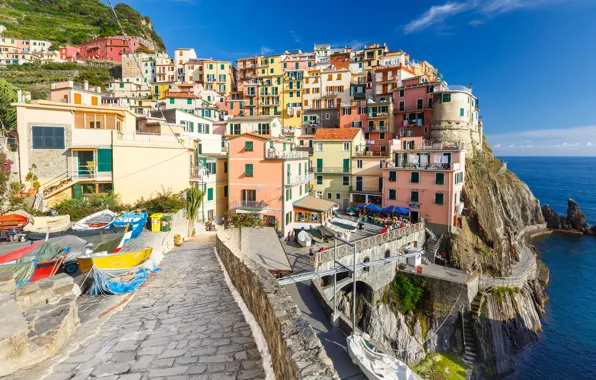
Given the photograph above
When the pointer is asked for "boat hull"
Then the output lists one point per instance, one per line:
(20, 249)
(85, 235)
(97, 221)
(45, 269)
(48, 223)
(137, 222)
(13, 221)
(117, 261)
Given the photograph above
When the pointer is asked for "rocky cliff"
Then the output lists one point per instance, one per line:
(575, 220)
(497, 206)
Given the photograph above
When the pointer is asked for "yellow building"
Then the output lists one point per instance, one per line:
(367, 176)
(218, 76)
(333, 151)
(160, 90)
(79, 148)
(291, 108)
(210, 175)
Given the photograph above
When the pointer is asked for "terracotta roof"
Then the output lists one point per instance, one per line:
(336, 133)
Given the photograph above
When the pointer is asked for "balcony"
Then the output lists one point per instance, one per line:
(200, 174)
(273, 154)
(249, 94)
(431, 167)
(332, 170)
(251, 205)
(330, 94)
(383, 128)
(427, 145)
(369, 153)
(362, 189)
(373, 115)
(307, 149)
(299, 179)
(210, 79)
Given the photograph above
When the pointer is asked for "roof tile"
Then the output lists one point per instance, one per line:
(336, 133)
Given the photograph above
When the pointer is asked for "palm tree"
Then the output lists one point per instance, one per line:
(194, 199)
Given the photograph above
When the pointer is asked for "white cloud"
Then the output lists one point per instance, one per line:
(436, 14)
(589, 144)
(296, 37)
(266, 50)
(477, 11)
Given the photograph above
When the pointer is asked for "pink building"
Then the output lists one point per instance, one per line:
(298, 62)
(428, 179)
(413, 107)
(111, 48)
(355, 115)
(68, 53)
(266, 176)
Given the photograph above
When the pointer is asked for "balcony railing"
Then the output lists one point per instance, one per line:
(378, 114)
(383, 128)
(427, 145)
(257, 205)
(273, 154)
(332, 170)
(414, 166)
(369, 153)
(299, 179)
(363, 189)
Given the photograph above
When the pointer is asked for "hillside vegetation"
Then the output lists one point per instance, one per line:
(72, 21)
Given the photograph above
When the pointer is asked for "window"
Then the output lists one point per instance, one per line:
(392, 176)
(188, 101)
(430, 102)
(319, 146)
(392, 194)
(414, 196)
(319, 180)
(459, 178)
(328, 195)
(248, 172)
(225, 166)
(446, 98)
(346, 111)
(439, 178)
(359, 164)
(419, 104)
(402, 93)
(95, 124)
(381, 135)
(338, 76)
(248, 146)
(172, 100)
(414, 177)
(346, 181)
(402, 106)
(346, 146)
(48, 137)
(225, 191)
(462, 112)
(439, 198)
(327, 116)
(209, 194)
(337, 195)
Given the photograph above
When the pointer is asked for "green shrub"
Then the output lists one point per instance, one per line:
(409, 291)
(90, 204)
(243, 220)
(500, 292)
(164, 202)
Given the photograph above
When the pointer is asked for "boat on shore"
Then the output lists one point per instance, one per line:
(92, 236)
(99, 220)
(43, 224)
(374, 363)
(13, 221)
(114, 261)
(304, 239)
(14, 251)
(137, 222)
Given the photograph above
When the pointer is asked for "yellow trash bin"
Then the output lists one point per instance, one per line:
(156, 222)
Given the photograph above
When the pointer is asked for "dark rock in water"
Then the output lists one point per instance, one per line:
(575, 220)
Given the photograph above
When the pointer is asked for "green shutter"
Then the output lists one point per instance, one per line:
(392, 194)
(461, 112)
(260, 129)
(104, 160)
(392, 176)
(248, 172)
(346, 165)
(319, 180)
(209, 194)
(319, 164)
(414, 196)
(248, 146)
(214, 168)
(77, 191)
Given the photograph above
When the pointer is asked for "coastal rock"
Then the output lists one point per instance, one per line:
(552, 220)
(575, 220)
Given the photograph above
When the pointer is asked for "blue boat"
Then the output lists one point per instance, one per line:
(137, 222)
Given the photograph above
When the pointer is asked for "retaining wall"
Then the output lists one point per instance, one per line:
(295, 350)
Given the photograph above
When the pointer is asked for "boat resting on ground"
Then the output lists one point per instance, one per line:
(114, 261)
(13, 221)
(99, 220)
(374, 363)
(304, 239)
(137, 222)
(92, 236)
(48, 224)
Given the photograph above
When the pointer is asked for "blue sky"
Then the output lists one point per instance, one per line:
(532, 62)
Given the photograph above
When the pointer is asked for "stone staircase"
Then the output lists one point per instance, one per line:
(36, 320)
(470, 349)
(58, 184)
(477, 303)
(432, 246)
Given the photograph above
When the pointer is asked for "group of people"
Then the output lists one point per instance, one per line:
(210, 224)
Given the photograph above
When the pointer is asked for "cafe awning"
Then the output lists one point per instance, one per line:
(315, 204)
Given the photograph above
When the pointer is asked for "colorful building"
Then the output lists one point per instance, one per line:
(333, 151)
(414, 106)
(428, 178)
(247, 68)
(16, 51)
(261, 125)
(111, 48)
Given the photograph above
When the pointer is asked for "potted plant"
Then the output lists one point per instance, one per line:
(194, 232)
(178, 240)
(91, 168)
(32, 178)
(36, 186)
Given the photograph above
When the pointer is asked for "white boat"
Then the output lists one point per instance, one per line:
(304, 239)
(374, 364)
(97, 221)
(48, 223)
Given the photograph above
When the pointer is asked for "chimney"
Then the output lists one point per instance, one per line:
(471, 87)
(86, 85)
(20, 98)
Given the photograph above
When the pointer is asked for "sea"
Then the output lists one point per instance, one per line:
(567, 347)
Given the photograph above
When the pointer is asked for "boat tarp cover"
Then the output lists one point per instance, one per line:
(21, 272)
(104, 282)
(395, 210)
(137, 222)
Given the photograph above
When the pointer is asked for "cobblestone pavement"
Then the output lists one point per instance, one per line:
(183, 324)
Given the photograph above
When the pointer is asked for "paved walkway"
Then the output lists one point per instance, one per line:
(182, 324)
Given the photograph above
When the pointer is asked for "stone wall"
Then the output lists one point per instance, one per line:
(442, 296)
(50, 163)
(296, 352)
(470, 134)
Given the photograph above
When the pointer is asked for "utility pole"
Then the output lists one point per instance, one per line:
(353, 270)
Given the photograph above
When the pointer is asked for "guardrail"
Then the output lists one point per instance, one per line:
(300, 179)
(250, 204)
(285, 155)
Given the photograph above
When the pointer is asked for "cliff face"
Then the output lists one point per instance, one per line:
(497, 206)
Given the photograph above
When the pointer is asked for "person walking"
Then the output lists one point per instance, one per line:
(311, 254)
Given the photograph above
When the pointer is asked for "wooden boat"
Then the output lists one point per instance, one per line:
(117, 261)
(327, 232)
(89, 235)
(13, 221)
(136, 221)
(316, 235)
(304, 239)
(45, 269)
(374, 363)
(99, 220)
(48, 223)
(12, 252)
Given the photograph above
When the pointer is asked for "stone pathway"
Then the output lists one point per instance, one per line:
(182, 324)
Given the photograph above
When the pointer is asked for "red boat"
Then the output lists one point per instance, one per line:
(13, 221)
(46, 269)
(17, 253)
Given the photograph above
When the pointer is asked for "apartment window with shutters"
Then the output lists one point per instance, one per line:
(248, 170)
(248, 146)
(446, 98)
(172, 100)
(392, 194)
(419, 104)
(392, 176)
(439, 198)
(439, 178)
(381, 135)
(413, 196)
(359, 164)
(402, 106)
(338, 76)
(414, 177)
(346, 181)
(346, 146)
(319, 180)
(462, 112)
(319, 147)
(430, 102)
(402, 93)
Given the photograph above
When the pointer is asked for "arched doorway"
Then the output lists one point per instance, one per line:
(364, 299)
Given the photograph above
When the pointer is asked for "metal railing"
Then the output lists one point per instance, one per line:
(285, 155)
(330, 169)
(429, 166)
(148, 137)
(299, 179)
(383, 128)
(249, 204)
(370, 153)
(427, 145)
